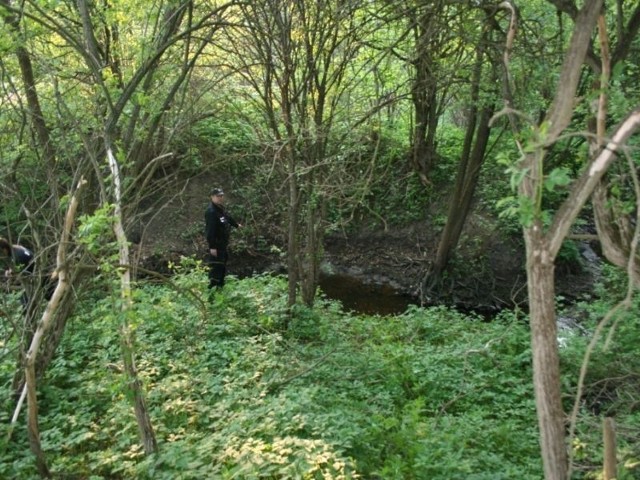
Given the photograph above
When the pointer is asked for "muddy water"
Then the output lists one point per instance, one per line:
(362, 298)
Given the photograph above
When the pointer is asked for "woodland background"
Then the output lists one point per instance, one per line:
(484, 123)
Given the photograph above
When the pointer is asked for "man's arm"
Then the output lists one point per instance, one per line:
(232, 222)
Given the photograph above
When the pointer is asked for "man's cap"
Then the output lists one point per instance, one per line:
(216, 191)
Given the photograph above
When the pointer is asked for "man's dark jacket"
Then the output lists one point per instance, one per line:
(218, 226)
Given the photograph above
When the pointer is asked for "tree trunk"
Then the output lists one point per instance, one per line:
(544, 347)
(610, 470)
(32, 419)
(462, 198)
(424, 97)
(615, 232)
(145, 429)
(36, 116)
(63, 312)
(541, 248)
(293, 246)
(471, 159)
(423, 149)
(312, 255)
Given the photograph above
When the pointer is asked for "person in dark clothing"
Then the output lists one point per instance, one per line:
(218, 225)
(20, 258)
(19, 263)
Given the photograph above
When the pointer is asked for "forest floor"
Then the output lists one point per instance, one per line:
(486, 274)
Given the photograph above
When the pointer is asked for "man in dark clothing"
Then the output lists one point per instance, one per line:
(218, 225)
(20, 260)
(19, 264)
(18, 257)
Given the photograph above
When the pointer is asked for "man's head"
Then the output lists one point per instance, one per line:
(217, 196)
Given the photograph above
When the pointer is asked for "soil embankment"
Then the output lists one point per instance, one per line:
(486, 275)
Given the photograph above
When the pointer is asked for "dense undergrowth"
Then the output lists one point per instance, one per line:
(429, 394)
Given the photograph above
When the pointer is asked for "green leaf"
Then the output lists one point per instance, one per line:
(559, 177)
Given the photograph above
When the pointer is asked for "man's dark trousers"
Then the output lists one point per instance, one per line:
(217, 268)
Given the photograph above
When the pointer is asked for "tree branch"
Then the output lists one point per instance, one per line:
(586, 183)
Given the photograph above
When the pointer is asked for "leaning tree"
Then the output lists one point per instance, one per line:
(545, 228)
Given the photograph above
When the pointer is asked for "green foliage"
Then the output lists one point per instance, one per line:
(520, 208)
(558, 177)
(96, 231)
(431, 393)
(450, 141)
(569, 256)
(427, 394)
(610, 386)
(220, 140)
(516, 211)
(399, 201)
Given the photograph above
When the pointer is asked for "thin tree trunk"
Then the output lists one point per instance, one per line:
(33, 428)
(293, 247)
(145, 428)
(310, 266)
(471, 159)
(614, 228)
(36, 115)
(462, 198)
(423, 149)
(55, 333)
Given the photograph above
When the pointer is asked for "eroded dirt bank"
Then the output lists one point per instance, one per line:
(487, 273)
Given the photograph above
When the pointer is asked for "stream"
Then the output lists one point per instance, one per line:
(372, 296)
(367, 299)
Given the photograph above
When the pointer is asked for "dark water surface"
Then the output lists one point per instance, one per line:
(359, 297)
